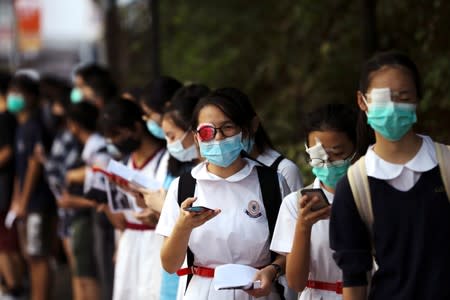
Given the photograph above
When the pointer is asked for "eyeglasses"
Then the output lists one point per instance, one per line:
(207, 132)
(318, 162)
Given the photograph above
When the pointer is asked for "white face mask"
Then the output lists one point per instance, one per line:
(178, 152)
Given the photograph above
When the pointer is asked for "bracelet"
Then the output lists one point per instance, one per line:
(278, 270)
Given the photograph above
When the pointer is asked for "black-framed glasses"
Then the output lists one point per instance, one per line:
(207, 131)
(319, 162)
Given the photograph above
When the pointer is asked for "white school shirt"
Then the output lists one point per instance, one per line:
(402, 177)
(92, 156)
(286, 167)
(138, 267)
(154, 170)
(322, 266)
(239, 234)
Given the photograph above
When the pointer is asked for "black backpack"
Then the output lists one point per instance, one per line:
(271, 194)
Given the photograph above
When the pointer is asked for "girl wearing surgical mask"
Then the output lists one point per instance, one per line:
(301, 232)
(404, 191)
(137, 257)
(176, 126)
(184, 155)
(235, 228)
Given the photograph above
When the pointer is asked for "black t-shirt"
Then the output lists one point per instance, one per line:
(28, 135)
(8, 128)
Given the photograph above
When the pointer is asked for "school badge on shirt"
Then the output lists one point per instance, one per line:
(253, 209)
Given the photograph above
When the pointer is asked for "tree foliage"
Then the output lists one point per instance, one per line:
(291, 56)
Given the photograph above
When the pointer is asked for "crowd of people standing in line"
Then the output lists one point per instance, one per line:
(374, 224)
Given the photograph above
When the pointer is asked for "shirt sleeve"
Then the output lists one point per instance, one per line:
(349, 237)
(291, 173)
(170, 211)
(284, 187)
(283, 234)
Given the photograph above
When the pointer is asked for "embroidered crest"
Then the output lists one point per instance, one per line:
(253, 209)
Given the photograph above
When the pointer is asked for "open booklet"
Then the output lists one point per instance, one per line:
(235, 276)
(117, 172)
(120, 180)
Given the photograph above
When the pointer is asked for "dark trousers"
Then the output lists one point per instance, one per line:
(104, 248)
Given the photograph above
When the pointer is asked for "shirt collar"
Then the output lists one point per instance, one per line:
(200, 172)
(423, 161)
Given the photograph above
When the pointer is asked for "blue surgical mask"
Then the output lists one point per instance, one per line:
(247, 144)
(15, 103)
(76, 96)
(181, 154)
(330, 173)
(392, 120)
(224, 152)
(155, 129)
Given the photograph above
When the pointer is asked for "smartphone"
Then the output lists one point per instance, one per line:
(197, 209)
(319, 194)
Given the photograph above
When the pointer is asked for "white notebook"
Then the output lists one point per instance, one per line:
(235, 276)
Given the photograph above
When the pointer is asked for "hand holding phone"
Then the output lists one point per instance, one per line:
(197, 209)
(323, 201)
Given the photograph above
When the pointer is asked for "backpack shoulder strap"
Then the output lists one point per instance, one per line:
(276, 162)
(443, 158)
(271, 194)
(186, 189)
(359, 184)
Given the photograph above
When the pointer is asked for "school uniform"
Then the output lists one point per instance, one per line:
(239, 234)
(411, 229)
(138, 265)
(286, 167)
(101, 239)
(322, 268)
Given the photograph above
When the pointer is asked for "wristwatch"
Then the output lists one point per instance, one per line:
(278, 269)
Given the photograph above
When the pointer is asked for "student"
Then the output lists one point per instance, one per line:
(259, 146)
(97, 87)
(65, 154)
(32, 200)
(137, 257)
(154, 98)
(301, 233)
(236, 230)
(176, 125)
(82, 123)
(405, 223)
(184, 155)
(11, 268)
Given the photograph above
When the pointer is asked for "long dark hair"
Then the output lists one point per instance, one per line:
(180, 110)
(395, 59)
(158, 92)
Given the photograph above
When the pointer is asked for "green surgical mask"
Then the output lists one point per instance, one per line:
(330, 174)
(15, 103)
(76, 96)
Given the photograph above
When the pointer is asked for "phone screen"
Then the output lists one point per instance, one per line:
(319, 194)
(198, 209)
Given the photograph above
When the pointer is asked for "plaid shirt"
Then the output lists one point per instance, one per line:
(65, 154)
